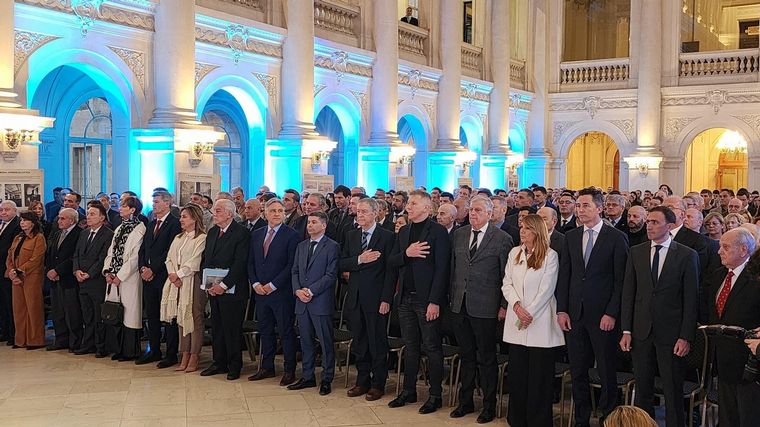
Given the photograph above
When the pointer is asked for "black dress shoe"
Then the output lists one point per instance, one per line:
(302, 384)
(212, 370)
(10, 343)
(325, 388)
(261, 374)
(232, 376)
(165, 363)
(55, 347)
(287, 379)
(14, 346)
(148, 358)
(116, 356)
(126, 358)
(486, 416)
(433, 404)
(462, 410)
(34, 347)
(99, 355)
(402, 399)
(82, 351)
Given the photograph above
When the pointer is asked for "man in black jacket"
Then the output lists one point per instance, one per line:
(227, 249)
(64, 293)
(370, 293)
(690, 238)
(637, 230)
(159, 235)
(421, 253)
(87, 264)
(9, 228)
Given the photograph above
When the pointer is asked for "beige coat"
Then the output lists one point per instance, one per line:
(183, 259)
(131, 285)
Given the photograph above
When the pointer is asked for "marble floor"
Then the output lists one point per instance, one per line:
(61, 389)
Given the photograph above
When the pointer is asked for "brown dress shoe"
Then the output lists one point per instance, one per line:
(374, 394)
(288, 378)
(357, 391)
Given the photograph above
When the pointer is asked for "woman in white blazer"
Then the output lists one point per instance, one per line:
(182, 300)
(531, 326)
(124, 284)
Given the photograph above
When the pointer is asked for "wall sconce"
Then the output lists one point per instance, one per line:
(197, 150)
(401, 155)
(643, 169)
(514, 162)
(20, 128)
(643, 164)
(317, 157)
(317, 150)
(465, 160)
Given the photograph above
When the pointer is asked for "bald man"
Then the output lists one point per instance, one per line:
(694, 220)
(688, 237)
(556, 239)
(637, 232)
(446, 216)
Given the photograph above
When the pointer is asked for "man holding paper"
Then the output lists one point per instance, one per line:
(227, 249)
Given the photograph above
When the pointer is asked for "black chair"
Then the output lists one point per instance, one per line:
(250, 333)
(502, 360)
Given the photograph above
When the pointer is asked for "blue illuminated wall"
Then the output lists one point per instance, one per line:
(328, 125)
(411, 131)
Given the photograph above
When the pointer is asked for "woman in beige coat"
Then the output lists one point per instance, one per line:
(182, 300)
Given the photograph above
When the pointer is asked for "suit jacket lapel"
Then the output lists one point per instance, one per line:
(486, 238)
(373, 239)
(211, 241)
(739, 285)
(669, 260)
(319, 247)
(600, 239)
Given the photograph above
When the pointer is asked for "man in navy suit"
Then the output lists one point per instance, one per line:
(313, 280)
(270, 260)
(567, 220)
(159, 235)
(589, 289)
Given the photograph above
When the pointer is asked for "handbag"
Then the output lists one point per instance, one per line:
(112, 312)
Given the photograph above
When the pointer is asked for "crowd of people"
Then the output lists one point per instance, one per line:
(591, 277)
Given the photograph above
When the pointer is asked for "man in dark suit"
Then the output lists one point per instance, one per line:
(270, 261)
(478, 257)
(732, 297)
(614, 211)
(87, 264)
(159, 235)
(54, 206)
(252, 219)
(292, 201)
(637, 230)
(64, 293)
(370, 293)
(421, 253)
(409, 19)
(592, 268)
(541, 198)
(9, 228)
(339, 214)
(556, 239)
(687, 237)
(498, 219)
(524, 200)
(71, 200)
(316, 202)
(352, 224)
(566, 220)
(313, 276)
(659, 313)
(227, 249)
(384, 218)
(446, 217)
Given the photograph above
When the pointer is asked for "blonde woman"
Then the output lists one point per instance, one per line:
(182, 300)
(629, 416)
(531, 326)
(734, 220)
(714, 225)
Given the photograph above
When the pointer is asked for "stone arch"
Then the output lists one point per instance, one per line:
(613, 132)
(348, 111)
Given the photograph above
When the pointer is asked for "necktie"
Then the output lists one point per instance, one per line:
(2, 226)
(564, 222)
(723, 296)
(89, 239)
(250, 226)
(656, 264)
(312, 245)
(221, 233)
(474, 244)
(62, 237)
(589, 246)
(268, 241)
(365, 240)
(158, 226)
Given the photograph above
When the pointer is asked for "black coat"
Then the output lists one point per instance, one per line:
(60, 258)
(300, 227)
(697, 242)
(229, 252)
(6, 239)
(513, 232)
(90, 259)
(154, 249)
(570, 225)
(371, 283)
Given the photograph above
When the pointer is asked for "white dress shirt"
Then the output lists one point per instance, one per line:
(597, 228)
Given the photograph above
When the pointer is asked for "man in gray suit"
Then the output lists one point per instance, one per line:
(479, 254)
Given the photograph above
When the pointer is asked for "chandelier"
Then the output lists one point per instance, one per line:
(731, 142)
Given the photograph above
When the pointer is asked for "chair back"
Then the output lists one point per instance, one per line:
(696, 361)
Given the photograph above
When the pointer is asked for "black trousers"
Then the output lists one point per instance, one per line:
(152, 310)
(477, 347)
(67, 315)
(227, 332)
(585, 344)
(281, 313)
(91, 296)
(7, 327)
(420, 335)
(530, 373)
(646, 356)
(122, 340)
(739, 404)
(370, 345)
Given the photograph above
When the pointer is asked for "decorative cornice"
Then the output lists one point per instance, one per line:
(519, 102)
(347, 66)
(412, 80)
(219, 37)
(202, 70)
(135, 60)
(593, 103)
(675, 125)
(108, 13)
(472, 93)
(270, 84)
(716, 98)
(25, 43)
(626, 125)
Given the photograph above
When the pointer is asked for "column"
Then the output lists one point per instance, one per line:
(547, 47)
(492, 171)
(8, 98)
(449, 85)
(374, 158)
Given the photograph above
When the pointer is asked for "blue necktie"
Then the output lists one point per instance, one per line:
(365, 240)
(589, 246)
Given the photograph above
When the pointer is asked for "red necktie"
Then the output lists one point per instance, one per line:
(268, 241)
(155, 230)
(723, 296)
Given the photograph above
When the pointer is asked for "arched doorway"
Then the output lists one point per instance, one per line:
(593, 160)
(328, 125)
(717, 158)
(225, 114)
(412, 133)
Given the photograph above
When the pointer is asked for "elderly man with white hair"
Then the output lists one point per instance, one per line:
(446, 216)
(9, 228)
(687, 237)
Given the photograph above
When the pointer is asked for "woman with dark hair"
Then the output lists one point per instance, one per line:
(25, 268)
(666, 188)
(39, 209)
(182, 300)
(123, 282)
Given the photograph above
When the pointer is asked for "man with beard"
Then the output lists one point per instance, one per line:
(398, 206)
(637, 232)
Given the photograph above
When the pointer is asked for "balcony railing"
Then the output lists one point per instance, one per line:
(594, 72)
(517, 73)
(412, 38)
(472, 59)
(253, 4)
(721, 63)
(337, 17)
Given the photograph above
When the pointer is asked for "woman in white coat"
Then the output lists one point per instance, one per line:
(531, 327)
(124, 284)
(182, 300)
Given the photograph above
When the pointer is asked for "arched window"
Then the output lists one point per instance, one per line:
(228, 153)
(90, 148)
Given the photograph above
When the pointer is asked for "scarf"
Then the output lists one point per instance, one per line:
(120, 241)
